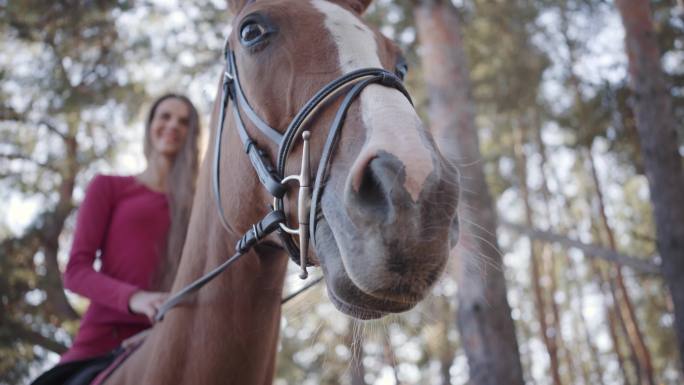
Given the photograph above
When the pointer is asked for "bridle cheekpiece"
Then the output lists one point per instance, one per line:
(272, 178)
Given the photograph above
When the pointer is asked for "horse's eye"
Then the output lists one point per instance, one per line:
(251, 33)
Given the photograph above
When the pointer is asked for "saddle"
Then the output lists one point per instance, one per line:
(91, 371)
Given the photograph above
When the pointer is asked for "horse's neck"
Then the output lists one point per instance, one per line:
(228, 332)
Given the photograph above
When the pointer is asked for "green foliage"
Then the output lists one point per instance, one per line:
(79, 71)
(64, 101)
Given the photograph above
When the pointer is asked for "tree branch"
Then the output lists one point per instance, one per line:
(29, 159)
(36, 338)
(638, 264)
(6, 175)
(53, 129)
(9, 113)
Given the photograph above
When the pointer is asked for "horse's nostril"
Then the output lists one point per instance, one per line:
(371, 192)
(379, 188)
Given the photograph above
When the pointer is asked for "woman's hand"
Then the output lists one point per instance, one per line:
(146, 303)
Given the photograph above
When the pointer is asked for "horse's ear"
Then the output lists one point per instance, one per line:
(358, 6)
(235, 6)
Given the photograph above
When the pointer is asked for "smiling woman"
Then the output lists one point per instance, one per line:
(137, 224)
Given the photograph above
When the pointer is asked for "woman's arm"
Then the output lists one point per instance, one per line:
(91, 227)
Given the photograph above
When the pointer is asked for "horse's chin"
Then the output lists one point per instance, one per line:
(345, 295)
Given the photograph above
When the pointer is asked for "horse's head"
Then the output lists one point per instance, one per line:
(382, 232)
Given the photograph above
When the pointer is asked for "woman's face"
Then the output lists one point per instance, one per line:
(169, 127)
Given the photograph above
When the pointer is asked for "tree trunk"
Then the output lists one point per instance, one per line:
(548, 333)
(57, 302)
(617, 346)
(583, 328)
(662, 162)
(623, 300)
(483, 315)
(614, 318)
(547, 254)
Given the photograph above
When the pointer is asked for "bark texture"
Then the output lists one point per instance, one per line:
(621, 295)
(662, 162)
(483, 315)
(547, 327)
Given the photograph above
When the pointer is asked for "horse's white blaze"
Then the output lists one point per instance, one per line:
(393, 124)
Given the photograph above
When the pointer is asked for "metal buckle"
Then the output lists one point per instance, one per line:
(303, 206)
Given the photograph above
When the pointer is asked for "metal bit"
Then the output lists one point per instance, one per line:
(303, 205)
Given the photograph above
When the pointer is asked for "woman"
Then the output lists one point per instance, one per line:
(138, 225)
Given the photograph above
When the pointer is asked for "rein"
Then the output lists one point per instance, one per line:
(273, 179)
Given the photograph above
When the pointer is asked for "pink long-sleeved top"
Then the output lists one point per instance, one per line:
(127, 224)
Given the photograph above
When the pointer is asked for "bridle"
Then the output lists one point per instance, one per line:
(272, 178)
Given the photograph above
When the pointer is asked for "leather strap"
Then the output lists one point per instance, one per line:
(267, 130)
(216, 172)
(267, 225)
(333, 135)
(363, 78)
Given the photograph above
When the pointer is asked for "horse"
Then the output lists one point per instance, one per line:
(383, 214)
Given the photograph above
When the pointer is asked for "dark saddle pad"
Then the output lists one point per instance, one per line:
(81, 372)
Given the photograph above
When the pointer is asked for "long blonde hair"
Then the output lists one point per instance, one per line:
(180, 189)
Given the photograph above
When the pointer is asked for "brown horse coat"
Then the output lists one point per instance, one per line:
(390, 197)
